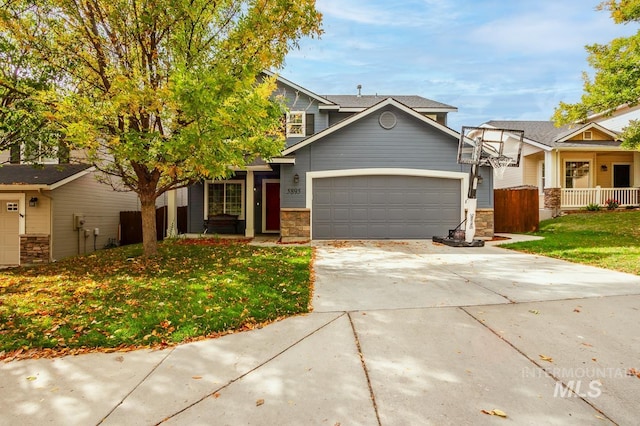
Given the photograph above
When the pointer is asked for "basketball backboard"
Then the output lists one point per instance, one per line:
(490, 147)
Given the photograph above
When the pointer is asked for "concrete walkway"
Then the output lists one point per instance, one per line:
(402, 333)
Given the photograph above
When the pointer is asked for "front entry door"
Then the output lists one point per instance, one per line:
(621, 176)
(271, 203)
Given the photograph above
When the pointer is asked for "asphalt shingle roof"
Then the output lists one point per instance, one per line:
(366, 101)
(544, 132)
(48, 174)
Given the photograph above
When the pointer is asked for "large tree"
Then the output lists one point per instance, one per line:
(162, 93)
(24, 127)
(616, 80)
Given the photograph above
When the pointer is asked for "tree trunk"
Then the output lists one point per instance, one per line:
(149, 237)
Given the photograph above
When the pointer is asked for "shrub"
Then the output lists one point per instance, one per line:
(612, 204)
(592, 207)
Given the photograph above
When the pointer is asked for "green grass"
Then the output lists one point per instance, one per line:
(117, 299)
(608, 240)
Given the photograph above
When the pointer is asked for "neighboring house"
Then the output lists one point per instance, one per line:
(56, 210)
(573, 166)
(354, 167)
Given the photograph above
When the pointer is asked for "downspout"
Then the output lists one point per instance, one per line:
(50, 222)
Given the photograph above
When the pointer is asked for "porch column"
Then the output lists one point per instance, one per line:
(551, 170)
(249, 214)
(172, 213)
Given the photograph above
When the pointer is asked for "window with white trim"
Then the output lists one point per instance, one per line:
(12, 207)
(225, 197)
(576, 174)
(296, 124)
(587, 135)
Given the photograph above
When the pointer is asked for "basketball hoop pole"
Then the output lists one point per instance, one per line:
(482, 146)
(472, 204)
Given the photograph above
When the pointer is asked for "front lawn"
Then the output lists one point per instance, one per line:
(117, 299)
(606, 239)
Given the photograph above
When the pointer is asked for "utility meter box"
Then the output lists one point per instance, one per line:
(78, 221)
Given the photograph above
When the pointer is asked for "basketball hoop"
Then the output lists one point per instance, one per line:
(500, 165)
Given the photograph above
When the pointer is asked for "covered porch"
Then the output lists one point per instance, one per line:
(575, 179)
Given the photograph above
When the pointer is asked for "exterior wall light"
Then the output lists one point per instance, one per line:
(603, 167)
(296, 178)
(33, 202)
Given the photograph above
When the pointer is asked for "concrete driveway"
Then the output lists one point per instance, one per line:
(402, 333)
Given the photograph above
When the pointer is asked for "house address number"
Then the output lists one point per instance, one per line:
(293, 191)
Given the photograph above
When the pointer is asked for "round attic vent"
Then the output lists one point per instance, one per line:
(388, 120)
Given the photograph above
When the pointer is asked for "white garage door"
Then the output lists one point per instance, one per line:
(9, 232)
(384, 207)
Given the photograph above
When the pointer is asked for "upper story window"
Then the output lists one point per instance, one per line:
(296, 124)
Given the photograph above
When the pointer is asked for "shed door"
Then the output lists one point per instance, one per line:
(9, 232)
(384, 207)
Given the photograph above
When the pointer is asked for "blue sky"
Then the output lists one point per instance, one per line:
(493, 59)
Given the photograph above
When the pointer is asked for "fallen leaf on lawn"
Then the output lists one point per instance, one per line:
(576, 310)
(216, 395)
(495, 412)
(120, 358)
(196, 377)
(259, 402)
(546, 358)
(31, 378)
(534, 311)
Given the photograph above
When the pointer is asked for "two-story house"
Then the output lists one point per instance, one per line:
(354, 167)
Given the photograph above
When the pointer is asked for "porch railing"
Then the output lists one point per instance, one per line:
(581, 197)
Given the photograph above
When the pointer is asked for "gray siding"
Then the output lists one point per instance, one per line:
(296, 101)
(411, 144)
(195, 217)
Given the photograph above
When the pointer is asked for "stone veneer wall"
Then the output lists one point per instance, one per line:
(484, 223)
(295, 225)
(552, 198)
(34, 248)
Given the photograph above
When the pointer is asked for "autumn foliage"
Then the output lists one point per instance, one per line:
(118, 300)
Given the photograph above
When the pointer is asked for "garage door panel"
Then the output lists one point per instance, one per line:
(385, 207)
(359, 214)
(359, 197)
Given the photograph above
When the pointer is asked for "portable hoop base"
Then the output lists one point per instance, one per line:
(454, 242)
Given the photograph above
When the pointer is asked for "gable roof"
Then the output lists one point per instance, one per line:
(546, 135)
(356, 103)
(570, 133)
(48, 176)
(298, 88)
(381, 104)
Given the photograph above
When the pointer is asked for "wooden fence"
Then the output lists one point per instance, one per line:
(516, 210)
(131, 225)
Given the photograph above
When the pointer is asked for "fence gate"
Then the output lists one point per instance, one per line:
(516, 210)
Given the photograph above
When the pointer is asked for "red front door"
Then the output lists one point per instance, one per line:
(272, 206)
